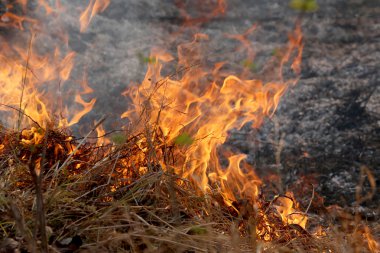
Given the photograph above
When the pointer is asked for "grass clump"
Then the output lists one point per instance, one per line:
(120, 198)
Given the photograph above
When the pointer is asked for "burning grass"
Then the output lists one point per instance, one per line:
(119, 198)
(165, 183)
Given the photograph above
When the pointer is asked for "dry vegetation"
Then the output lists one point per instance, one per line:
(61, 194)
(58, 193)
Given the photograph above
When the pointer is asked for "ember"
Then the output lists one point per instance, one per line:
(165, 181)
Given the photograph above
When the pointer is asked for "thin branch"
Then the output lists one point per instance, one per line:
(311, 200)
(103, 185)
(24, 81)
(22, 112)
(64, 164)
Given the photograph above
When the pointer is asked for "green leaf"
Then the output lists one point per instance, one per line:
(149, 60)
(183, 139)
(304, 5)
(118, 139)
(145, 59)
(197, 231)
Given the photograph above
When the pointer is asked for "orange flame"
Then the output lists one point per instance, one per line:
(10, 19)
(287, 208)
(101, 138)
(94, 7)
(206, 10)
(13, 20)
(199, 106)
(31, 83)
(25, 79)
(373, 245)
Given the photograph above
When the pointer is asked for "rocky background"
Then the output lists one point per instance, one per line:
(326, 129)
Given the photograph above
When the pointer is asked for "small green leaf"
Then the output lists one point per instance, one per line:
(304, 5)
(40, 131)
(149, 60)
(118, 139)
(145, 59)
(183, 139)
(197, 231)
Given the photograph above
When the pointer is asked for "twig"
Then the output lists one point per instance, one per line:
(103, 185)
(40, 201)
(24, 82)
(311, 200)
(37, 174)
(21, 226)
(22, 112)
(64, 164)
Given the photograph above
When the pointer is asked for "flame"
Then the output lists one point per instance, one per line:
(93, 8)
(44, 4)
(287, 208)
(13, 20)
(204, 107)
(245, 42)
(25, 78)
(32, 83)
(206, 9)
(34, 136)
(10, 19)
(237, 179)
(102, 140)
(373, 245)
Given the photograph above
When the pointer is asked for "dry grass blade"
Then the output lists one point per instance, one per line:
(124, 201)
(83, 141)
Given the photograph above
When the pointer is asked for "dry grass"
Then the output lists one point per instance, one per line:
(119, 199)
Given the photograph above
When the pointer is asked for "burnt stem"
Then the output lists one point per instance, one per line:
(38, 179)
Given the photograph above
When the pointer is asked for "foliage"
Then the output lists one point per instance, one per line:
(118, 138)
(304, 5)
(184, 140)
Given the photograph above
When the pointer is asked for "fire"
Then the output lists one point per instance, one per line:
(205, 106)
(206, 9)
(25, 80)
(33, 83)
(102, 140)
(34, 136)
(94, 7)
(10, 19)
(287, 207)
(193, 110)
(373, 245)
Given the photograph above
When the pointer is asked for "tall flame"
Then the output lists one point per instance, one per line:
(204, 108)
